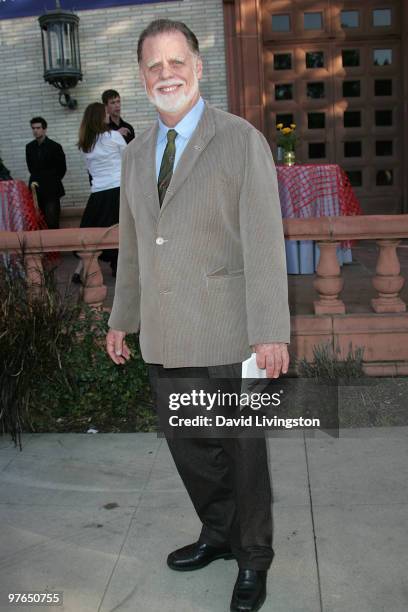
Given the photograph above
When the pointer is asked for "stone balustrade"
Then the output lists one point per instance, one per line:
(88, 243)
(387, 230)
(382, 331)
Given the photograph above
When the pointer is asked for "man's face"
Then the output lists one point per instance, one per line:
(38, 131)
(113, 107)
(170, 72)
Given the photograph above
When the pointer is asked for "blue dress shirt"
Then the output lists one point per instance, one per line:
(184, 129)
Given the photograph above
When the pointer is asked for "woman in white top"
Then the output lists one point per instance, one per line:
(102, 150)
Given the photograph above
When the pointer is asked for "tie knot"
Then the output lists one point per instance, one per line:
(171, 136)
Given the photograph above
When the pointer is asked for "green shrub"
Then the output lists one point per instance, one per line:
(55, 374)
(99, 393)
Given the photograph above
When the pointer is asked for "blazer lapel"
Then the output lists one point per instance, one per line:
(198, 142)
(145, 161)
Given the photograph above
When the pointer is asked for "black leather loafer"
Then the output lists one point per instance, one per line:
(195, 556)
(250, 591)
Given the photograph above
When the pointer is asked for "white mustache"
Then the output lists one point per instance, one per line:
(167, 84)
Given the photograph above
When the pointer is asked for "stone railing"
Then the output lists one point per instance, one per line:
(87, 243)
(382, 330)
(328, 232)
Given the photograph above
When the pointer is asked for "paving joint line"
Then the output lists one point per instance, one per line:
(313, 526)
(128, 530)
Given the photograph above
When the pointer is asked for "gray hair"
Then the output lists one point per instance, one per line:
(159, 26)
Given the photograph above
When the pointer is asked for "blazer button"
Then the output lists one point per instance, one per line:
(160, 240)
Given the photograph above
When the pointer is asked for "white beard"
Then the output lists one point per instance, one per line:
(174, 103)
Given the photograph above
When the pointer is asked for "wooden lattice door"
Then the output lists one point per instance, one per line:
(334, 68)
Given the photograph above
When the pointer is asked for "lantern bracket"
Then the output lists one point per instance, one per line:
(65, 99)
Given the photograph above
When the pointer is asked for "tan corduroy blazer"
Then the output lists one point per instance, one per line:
(204, 277)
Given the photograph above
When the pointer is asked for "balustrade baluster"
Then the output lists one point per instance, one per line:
(35, 275)
(94, 291)
(388, 281)
(329, 282)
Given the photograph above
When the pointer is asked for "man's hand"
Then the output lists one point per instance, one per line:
(274, 357)
(116, 346)
(124, 131)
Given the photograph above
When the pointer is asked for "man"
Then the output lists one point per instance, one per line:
(202, 272)
(111, 100)
(46, 163)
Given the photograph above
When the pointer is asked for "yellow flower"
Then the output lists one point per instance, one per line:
(293, 126)
(286, 130)
(279, 126)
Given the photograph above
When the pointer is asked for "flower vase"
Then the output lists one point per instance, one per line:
(289, 158)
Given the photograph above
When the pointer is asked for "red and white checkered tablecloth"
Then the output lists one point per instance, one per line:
(316, 190)
(17, 209)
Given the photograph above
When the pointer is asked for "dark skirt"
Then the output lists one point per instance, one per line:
(102, 210)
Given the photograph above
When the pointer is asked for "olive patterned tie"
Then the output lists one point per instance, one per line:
(167, 165)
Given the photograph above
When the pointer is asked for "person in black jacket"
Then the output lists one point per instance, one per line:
(111, 100)
(46, 164)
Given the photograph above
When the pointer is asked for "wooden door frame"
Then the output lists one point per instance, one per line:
(243, 43)
(245, 78)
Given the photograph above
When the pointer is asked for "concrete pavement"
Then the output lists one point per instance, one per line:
(95, 516)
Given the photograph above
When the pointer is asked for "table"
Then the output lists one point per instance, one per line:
(18, 212)
(17, 209)
(314, 190)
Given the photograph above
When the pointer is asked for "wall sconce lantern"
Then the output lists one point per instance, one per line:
(60, 44)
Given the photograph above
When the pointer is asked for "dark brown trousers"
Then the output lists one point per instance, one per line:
(227, 479)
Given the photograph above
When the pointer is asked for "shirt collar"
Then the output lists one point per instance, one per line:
(186, 126)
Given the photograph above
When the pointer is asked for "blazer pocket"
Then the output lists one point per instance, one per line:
(232, 283)
(224, 273)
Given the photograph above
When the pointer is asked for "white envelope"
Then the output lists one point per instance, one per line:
(251, 370)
